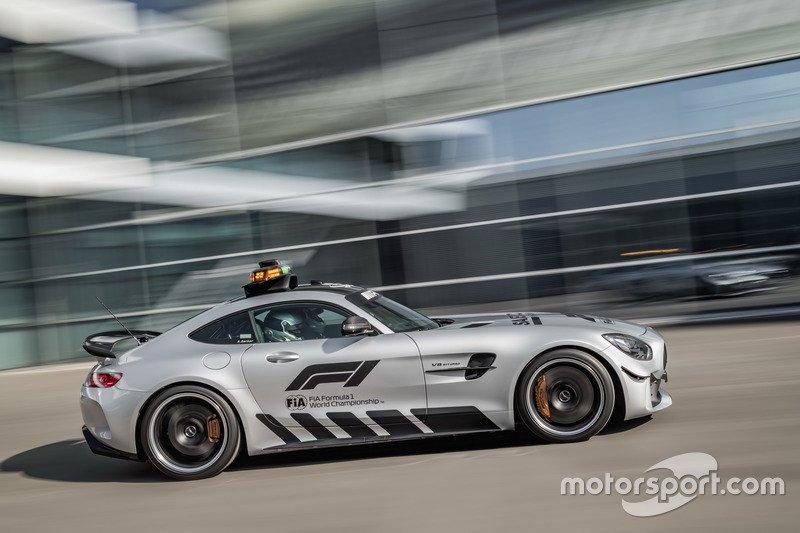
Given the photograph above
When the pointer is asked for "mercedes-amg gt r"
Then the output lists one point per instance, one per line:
(289, 366)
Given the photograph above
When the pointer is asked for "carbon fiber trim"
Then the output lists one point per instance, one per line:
(455, 419)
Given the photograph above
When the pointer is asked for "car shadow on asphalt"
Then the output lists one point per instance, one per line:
(411, 447)
(438, 445)
(73, 461)
(616, 426)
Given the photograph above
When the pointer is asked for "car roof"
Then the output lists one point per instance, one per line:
(315, 286)
(241, 303)
(339, 288)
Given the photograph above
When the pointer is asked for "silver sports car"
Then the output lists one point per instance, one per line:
(290, 366)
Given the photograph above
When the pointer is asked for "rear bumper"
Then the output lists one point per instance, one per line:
(110, 416)
(101, 449)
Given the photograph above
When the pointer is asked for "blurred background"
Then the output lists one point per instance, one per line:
(638, 159)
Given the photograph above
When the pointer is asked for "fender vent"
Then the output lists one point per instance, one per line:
(478, 365)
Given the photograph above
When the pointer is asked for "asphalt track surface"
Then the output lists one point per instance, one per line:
(737, 397)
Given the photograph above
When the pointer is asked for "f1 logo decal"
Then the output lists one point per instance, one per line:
(351, 374)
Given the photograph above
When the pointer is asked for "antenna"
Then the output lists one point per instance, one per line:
(118, 321)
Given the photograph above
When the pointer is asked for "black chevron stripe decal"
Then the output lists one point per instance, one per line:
(278, 428)
(313, 426)
(442, 421)
(395, 423)
(351, 424)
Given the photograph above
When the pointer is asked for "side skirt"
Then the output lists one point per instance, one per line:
(437, 422)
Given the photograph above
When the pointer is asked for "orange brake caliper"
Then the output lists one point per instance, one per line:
(542, 405)
(212, 428)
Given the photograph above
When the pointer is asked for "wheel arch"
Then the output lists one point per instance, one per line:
(618, 413)
(153, 394)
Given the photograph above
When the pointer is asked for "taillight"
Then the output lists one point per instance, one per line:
(102, 379)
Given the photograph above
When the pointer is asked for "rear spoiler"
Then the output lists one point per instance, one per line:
(103, 344)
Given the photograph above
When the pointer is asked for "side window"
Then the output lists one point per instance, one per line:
(235, 329)
(300, 321)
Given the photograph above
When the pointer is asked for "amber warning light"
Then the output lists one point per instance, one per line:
(271, 276)
(269, 273)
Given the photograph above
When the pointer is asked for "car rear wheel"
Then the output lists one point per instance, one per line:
(565, 396)
(190, 432)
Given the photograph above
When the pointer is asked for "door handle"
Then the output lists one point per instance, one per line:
(282, 357)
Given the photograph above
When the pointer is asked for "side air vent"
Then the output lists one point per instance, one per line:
(478, 365)
(476, 325)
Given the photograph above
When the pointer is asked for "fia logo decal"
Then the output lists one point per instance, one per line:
(296, 403)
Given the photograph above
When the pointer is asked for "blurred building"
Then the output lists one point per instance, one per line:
(636, 158)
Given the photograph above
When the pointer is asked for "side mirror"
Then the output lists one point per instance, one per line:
(356, 325)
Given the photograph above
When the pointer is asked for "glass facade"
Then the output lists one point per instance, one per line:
(156, 187)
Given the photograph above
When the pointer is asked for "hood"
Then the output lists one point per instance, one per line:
(540, 319)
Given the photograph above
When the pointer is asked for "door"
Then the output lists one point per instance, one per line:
(312, 383)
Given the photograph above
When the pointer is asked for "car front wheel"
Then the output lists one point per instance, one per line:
(190, 432)
(565, 396)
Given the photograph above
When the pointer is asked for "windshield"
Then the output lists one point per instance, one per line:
(397, 317)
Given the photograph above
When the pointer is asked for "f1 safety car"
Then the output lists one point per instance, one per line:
(291, 366)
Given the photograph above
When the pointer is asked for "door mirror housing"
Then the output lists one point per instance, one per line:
(356, 325)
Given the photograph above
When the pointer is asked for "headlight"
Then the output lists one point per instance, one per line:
(632, 346)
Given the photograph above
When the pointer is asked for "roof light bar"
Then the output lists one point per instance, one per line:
(269, 273)
(271, 276)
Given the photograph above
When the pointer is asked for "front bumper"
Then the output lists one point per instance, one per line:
(641, 380)
(644, 394)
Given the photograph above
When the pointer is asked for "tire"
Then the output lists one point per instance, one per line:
(190, 432)
(575, 396)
